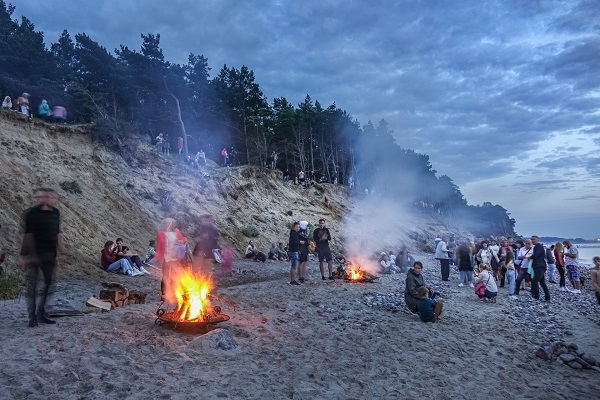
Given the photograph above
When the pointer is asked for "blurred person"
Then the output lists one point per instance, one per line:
(539, 265)
(180, 145)
(321, 237)
(42, 242)
(207, 243)
(559, 262)
(59, 113)
(572, 266)
(502, 253)
(441, 254)
(169, 253)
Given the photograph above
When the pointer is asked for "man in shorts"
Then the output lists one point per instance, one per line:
(293, 252)
(321, 236)
(572, 266)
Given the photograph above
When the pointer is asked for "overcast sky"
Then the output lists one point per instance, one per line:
(502, 95)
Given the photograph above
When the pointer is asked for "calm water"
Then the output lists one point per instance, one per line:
(587, 252)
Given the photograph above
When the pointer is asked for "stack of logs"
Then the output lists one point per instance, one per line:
(119, 296)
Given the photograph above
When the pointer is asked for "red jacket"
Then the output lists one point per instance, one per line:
(107, 258)
(161, 245)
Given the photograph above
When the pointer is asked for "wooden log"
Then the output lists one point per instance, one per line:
(94, 302)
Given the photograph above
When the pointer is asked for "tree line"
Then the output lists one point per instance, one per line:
(130, 92)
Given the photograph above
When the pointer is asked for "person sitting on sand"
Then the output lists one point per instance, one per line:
(414, 280)
(485, 276)
(428, 310)
(274, 254)
(250, 250)
(595, 277)
(7, 103)
(384, 263)
(110, 263)
(150, 252)
(281, 251)
(124, 252)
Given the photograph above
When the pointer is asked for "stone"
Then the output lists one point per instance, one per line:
(567, 357)
(541, 353)
(589, 359)
(573, 346)
(560, 351)
(574, 365)
(580, 353)
(584, 364)
(595, 368)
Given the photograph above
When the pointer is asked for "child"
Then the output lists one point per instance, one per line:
(491, 290)
(429, 311)
(511, 273)
(595, 277)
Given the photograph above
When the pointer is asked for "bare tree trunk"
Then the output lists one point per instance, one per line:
(183, 132)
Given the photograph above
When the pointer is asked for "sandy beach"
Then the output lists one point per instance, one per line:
(322, 340)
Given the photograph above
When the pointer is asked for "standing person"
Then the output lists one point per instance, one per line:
(293, 252)
(42, 242)
(595, 277)
(274, 160)
(551, 263)
(485, 255)
(44, 111)
(502, 253)
(224, 155)
(167, 145)
(286, 175)
(524, 256)
(559, 261)
(572, 266)
(509, 264)
(321, 236)
(180, 145)
(169, 242)
(538, 263)
(303, 251)
(465, 267)
(159, 142)
(207, 242)
(441, 253)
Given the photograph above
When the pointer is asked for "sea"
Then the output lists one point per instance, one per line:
(587, 252)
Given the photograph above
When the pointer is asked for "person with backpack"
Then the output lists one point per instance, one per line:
(550, 260)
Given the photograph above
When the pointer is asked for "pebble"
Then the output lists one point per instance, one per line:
(575, 365)
(567, 357)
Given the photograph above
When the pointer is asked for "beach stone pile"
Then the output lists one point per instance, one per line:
(538, 318)
(567, 354)
(393, 302)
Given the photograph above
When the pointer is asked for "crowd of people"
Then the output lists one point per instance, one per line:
(45, 112)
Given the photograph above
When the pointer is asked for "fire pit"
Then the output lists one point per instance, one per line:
(352, 272)
(193, 308)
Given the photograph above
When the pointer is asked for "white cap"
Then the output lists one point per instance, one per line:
(438, 239)
(303, 224)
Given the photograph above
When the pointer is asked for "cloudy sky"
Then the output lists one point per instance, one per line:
(502, 95)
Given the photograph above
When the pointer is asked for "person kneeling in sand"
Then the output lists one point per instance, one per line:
(414, 280)
(110, 263)
(429, 310)
(485, 284)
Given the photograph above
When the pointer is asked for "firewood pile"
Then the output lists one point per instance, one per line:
(116, 295)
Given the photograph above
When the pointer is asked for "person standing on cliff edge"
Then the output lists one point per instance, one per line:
(42, 242)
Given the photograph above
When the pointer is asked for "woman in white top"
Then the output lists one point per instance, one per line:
(491, 289)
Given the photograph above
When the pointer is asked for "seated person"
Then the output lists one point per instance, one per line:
(151, 252)
(44, 111)
(7, 103)
(327, 201)
(414, 280)
(282, 251)
(489, 283)
(274, 253)
(110, 263)
(250, 250)
(384, 263)
(429, 310)
(134, 259)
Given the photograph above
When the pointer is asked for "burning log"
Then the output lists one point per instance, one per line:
(352, 272)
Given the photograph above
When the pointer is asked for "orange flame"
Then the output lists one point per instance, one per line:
(191, 293)
(354, 272)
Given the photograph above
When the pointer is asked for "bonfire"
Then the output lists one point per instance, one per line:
(191, 296)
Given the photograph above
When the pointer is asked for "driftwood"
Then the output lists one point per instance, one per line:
(101, 304)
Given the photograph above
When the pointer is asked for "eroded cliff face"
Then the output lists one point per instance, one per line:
(120, 200)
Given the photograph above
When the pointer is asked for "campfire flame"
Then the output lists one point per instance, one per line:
(191, 293)
(354, 272)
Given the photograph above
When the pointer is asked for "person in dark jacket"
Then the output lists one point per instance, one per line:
(414, 280)
(293, 252)
(538, 263)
